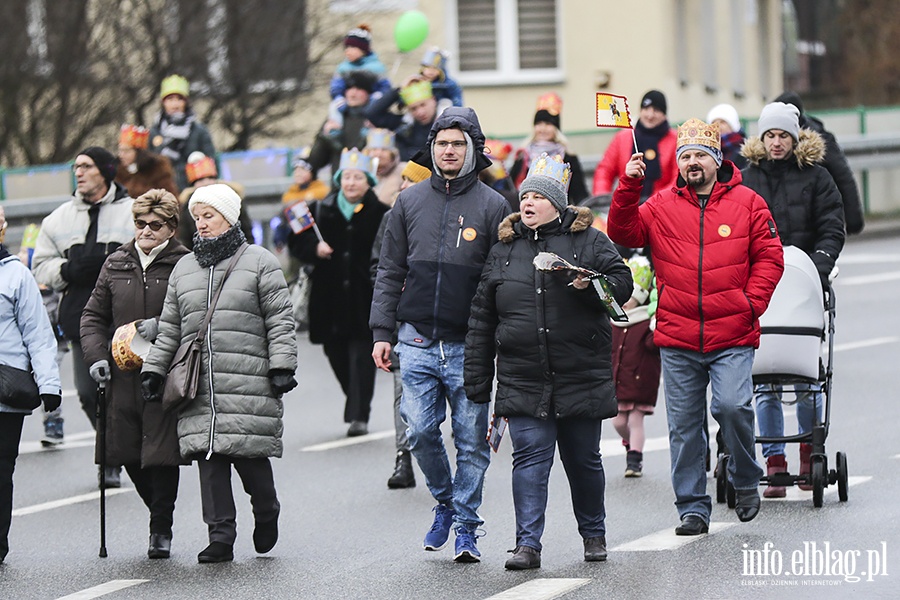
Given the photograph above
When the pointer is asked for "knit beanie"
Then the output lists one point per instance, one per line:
(415, 172)
(221, 197)
(779, 115)
(550, 178)
(104, 160)
(727, 113)
(360, 37)
(656, 99)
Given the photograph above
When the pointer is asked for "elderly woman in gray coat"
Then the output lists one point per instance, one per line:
(249, 358)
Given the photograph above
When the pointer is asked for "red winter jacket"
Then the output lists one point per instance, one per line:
(619, 152)
(729, 251)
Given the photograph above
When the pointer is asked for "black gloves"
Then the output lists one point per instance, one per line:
(152, 387)
(282, 381)
(824, 265)
(82, 268)
(51, 401)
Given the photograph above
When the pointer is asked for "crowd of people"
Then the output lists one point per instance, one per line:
(419, 254)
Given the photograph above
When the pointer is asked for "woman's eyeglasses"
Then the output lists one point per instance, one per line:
(153, 225)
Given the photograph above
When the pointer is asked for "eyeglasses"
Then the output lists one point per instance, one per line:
(153, 225)
(82, 167)
(456, 144)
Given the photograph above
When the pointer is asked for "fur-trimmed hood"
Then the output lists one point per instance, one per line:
(581, 219)
(810, 149)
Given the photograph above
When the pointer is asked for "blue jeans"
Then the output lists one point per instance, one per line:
(771, 417)
(687, 375)
(534, 441)
(432, 378)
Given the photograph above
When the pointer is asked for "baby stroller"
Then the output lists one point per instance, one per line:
(790, 353)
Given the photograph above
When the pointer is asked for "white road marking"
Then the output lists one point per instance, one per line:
(867, 279)
(614, 446)
(540, 589)
(36, 508)
(104, 588)
(866, 259)
(78, 440)
(795, 494)
(866, 343)
(350, 441)
(667, 540)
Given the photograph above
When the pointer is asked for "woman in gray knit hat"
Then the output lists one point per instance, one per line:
(551, 337)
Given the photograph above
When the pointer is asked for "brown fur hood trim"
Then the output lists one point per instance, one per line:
(809, 150)
(581, 215)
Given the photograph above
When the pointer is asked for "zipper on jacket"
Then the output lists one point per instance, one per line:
(440, 260)
(700, 273)
(209, 370)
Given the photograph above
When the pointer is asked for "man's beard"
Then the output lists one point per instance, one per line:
(696, 183)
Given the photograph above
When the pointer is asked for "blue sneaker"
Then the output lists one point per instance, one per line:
(437, 536)
(466, 550)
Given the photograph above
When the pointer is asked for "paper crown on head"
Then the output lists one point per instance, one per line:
(497, 150)
(381, 138)
(174, 84)
(697, 135)
(354, 159)
(436, 58)
(416, 92)
(200, 166)
(549, 109)
(554, 168)
(134, 136)
(301, 158)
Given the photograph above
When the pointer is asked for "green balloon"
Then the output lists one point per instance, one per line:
(411, 30)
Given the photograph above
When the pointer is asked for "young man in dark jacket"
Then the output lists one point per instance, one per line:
(718, 259)
(786, 169)
(435, 244)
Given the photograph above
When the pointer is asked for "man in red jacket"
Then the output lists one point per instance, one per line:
(718, 258)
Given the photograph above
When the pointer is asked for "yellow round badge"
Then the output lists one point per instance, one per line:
(724, 230)
(469, 234)
(157, 140)
(649, 153)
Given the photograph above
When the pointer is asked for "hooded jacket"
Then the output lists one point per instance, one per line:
(802, 197)
(436, 240)
(716, 264)
(552, 342)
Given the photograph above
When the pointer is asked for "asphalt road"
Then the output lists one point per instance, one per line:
(345, 535)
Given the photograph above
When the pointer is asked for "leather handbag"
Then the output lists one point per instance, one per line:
(18, 388)
(183, 377)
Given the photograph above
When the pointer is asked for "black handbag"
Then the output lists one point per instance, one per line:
(18, 388)
(183, 376)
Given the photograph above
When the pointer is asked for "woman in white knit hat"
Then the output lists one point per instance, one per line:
(249, 358)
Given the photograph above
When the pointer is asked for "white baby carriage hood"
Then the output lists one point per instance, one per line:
(792, 328)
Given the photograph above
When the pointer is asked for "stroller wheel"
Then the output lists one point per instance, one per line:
(817, 474)
(842, 476)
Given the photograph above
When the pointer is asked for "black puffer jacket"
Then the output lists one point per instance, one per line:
(802, 196)
(552, 342)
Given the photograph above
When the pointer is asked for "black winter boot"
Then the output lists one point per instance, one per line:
(403, 476)
(634, 463)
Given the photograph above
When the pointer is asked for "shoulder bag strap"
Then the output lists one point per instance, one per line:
(215, 299)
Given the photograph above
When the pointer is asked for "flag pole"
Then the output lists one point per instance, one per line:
(634, 137)
(318, 233)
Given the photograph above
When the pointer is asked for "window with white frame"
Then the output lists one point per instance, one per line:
(505, 41)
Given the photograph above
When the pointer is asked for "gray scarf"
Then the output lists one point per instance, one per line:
(212, 251)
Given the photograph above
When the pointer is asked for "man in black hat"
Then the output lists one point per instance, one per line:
(655, 139)
(73, 244)
(334, 136)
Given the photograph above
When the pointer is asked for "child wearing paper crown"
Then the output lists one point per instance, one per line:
(140, 170)
(434, 69)
(636, 364)
(358, 56)
(339, 248)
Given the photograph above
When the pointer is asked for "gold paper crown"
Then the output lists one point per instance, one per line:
(200, 168)
(416, 92)
(554, 168)
(497, 150)
(551, 102)
(134, 136)
(695, 132)
(174, 84)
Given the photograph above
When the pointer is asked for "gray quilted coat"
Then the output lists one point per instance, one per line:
(252, 331)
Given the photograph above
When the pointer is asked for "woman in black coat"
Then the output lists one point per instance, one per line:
(341, 282)
(551, 337)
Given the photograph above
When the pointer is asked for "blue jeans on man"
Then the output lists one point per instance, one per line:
(534, 443)
(771, 418)
(432, 378)
(686, 375)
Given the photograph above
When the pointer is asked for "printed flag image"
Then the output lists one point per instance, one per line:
(299, 217)
(612, 111)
